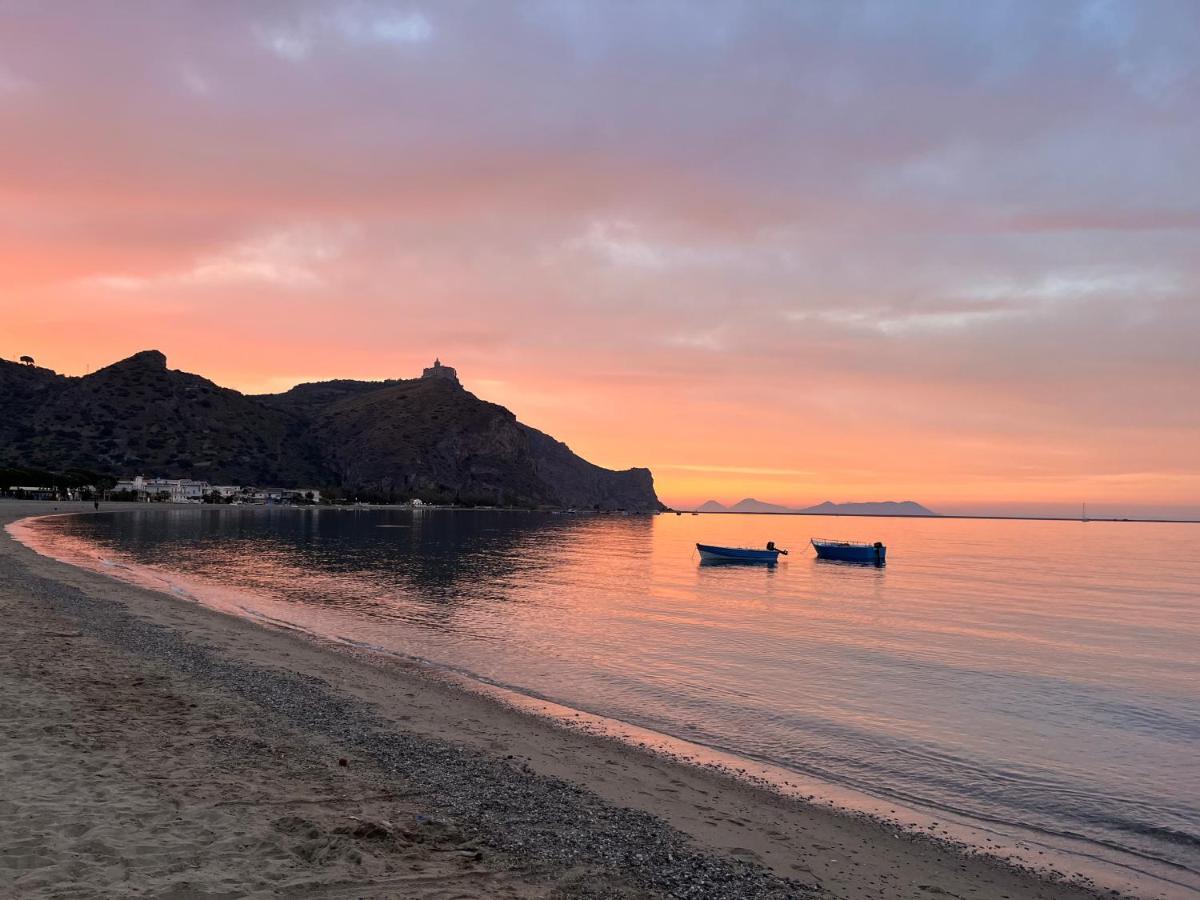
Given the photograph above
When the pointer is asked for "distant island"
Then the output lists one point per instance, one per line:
(828, 508)
(424, 438)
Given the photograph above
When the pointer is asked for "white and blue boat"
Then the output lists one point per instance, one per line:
(769, 555)
(851, 551)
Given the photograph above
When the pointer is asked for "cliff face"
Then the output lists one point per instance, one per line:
(433, 439)
(579, 483)
(425, 438)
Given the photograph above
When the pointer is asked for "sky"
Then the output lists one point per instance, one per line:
(947, 252)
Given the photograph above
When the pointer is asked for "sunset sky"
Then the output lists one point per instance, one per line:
(947, 252)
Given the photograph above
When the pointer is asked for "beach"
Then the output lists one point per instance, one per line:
(155, 747)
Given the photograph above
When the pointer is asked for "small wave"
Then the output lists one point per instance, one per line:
(1160, 832)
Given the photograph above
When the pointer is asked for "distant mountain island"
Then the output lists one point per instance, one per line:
(426, 438)
(828, 508)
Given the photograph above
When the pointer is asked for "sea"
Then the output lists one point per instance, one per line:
(1031, 686)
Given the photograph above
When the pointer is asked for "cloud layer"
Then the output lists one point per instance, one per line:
(946, 251)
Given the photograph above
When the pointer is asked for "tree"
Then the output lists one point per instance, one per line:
(27, 360)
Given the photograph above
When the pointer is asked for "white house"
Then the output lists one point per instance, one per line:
(185, 490)
(174, 490)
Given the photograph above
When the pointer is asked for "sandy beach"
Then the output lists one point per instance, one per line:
(154, 747)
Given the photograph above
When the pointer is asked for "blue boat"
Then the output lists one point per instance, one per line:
(740, 554)
(850, 551)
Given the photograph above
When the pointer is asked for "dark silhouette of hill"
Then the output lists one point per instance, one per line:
(434, 439)
(389, 440)
(138, 416)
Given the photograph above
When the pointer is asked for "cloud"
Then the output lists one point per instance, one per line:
(11, 83)
(968, 235)
(195, 81)
(292, 44)
(734, 470)
(287, 258)
(1055, 287)
(387, 27)
(354, 24)
(711, 339)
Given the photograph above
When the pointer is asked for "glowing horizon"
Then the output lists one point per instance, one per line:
(795, 252)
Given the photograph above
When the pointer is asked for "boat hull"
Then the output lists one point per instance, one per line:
(736, 554)
(855, 553)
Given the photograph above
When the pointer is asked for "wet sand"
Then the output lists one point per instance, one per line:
(153, 747)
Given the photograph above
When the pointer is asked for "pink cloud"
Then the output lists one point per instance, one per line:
(911, 251)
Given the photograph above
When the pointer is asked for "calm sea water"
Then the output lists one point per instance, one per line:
(1040, 674)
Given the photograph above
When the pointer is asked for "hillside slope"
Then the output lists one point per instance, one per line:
(389, 440)
(434, 439)
(138, 416)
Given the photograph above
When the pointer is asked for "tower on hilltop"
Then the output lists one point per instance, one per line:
(437, 370)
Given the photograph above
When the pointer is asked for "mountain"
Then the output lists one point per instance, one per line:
(828, 508)
(881, 508)
(390, 440)
(138, 416)
(750, 505)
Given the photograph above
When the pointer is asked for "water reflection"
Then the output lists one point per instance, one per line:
(770, 567)
(1028, 672)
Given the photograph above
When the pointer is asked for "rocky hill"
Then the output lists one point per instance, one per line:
(389, 440)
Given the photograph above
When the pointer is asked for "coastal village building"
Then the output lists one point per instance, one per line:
(173, 490)
(45, 492)
(280, 495)
(185, 490)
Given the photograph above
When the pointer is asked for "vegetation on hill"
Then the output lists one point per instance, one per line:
(387, 441)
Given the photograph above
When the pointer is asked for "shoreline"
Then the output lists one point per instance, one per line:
(725, 827)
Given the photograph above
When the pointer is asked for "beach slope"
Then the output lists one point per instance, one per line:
(152, 747)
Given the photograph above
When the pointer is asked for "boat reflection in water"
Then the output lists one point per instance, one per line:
(851, 551)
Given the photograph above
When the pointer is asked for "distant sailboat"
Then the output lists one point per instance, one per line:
(1083, 515)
